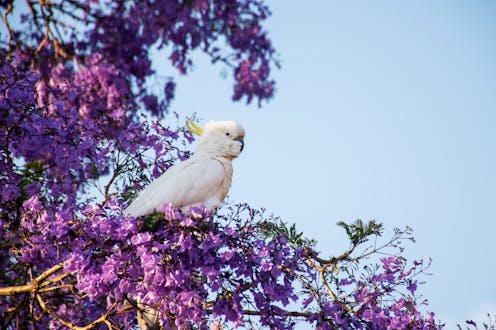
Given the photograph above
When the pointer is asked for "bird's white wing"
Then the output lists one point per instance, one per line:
(192, 182)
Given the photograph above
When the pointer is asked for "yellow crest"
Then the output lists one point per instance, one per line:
(193, 128)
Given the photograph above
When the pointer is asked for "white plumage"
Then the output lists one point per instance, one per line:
(203, 179)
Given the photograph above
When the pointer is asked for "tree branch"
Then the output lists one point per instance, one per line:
(36, 284)
(9, 29)
(333, 295)
(291, 313)
(102, 319)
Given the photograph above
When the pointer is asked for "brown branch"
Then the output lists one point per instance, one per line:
(59, 49)
(56, 279)
(9, 29)
(303, 281)
(34, 13)
(102, 319)
(334, 260)
(45, 39)
(285, 313)
(47, 18)
(116, 173)
(377, 249)
(56, 287)
(46, 3)
(78, 5)
(60, 7)
(317, 267)
(292, 313)
(36, 284)
(246, 286)
(109, 325)
(333, 295)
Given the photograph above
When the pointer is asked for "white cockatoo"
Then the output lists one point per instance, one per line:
(203, 179)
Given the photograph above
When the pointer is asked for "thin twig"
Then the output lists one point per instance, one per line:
(9, 30)
(333, 295)
(102, 319)
(291, 313)
(56, 287)
(56, 279)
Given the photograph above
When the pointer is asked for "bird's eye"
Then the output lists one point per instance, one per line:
(227, 134)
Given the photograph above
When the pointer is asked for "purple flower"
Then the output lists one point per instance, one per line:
(346, 281)
(141, 238)
(412, 286)
(33, 204)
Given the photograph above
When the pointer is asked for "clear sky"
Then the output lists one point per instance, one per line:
(384, 110)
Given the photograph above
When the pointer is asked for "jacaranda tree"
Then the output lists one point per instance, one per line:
(83, 127)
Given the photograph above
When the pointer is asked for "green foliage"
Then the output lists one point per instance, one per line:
(276, 227)
(31, 173)
(152, 222)
(359, 232)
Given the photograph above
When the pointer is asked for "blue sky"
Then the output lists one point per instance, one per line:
(384, 110)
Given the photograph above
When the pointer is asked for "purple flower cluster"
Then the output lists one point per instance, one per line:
(344, 293)
(52, 151)
(52, 144)
(192, 269)
(115, 38)
(386, 298)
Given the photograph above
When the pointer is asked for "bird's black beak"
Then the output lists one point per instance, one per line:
(240, 139)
